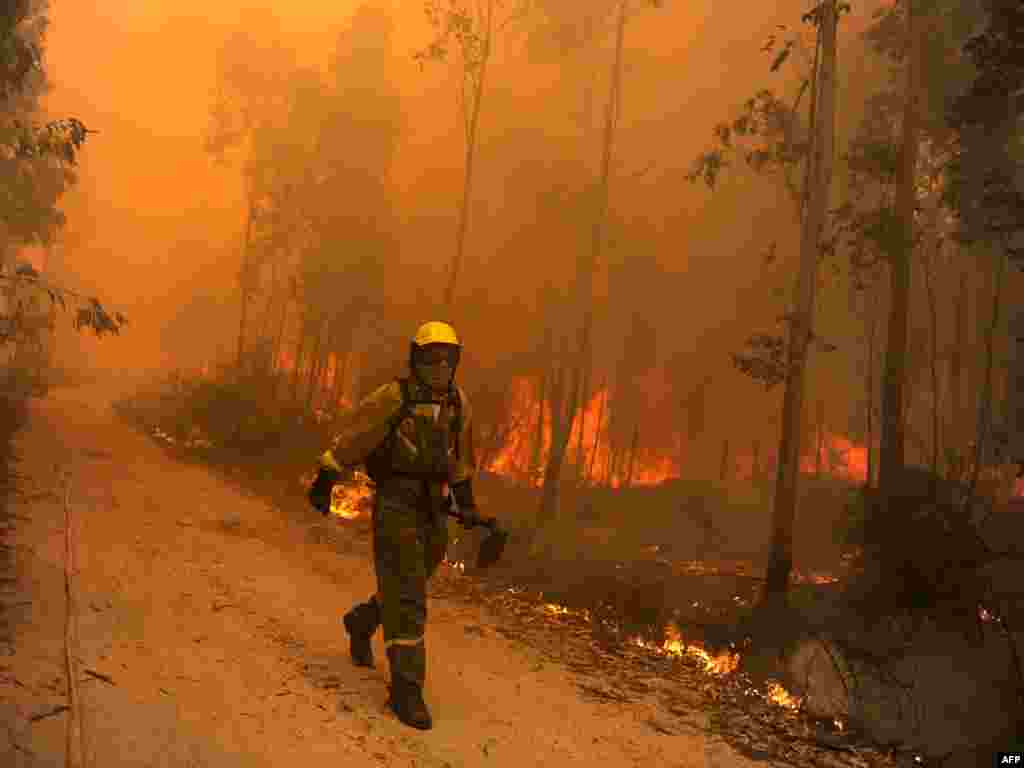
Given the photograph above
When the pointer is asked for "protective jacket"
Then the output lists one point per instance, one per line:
(431, 438)
(414, 447)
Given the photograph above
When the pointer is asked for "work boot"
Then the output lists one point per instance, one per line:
(361, 623)
(407, 703)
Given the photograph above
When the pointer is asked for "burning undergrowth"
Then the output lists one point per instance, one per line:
(685, 683)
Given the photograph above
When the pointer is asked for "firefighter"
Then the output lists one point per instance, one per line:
(414, 436)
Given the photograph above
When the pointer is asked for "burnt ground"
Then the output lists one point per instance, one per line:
(206, 633)
(604, 602)
(627, 563)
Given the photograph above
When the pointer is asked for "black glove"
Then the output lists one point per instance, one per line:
(320, 491)
(470, 517)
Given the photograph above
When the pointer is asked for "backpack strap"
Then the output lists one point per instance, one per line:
(457, 421)
(405, 410)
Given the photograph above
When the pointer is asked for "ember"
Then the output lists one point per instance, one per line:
(558, 610)
(987, 616)
(782, 697)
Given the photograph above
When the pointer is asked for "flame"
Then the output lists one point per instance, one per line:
(556, 609)
(592, 452)
(853, 458)
(723, 663)
(353, 499)
(674, 645)
(520, 458)
(779, 695)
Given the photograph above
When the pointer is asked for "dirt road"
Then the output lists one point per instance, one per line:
(209, 633)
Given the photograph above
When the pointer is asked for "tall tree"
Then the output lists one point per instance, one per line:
(472, 30)
(566, 388)
(252, 98)
(37, 163)
(817, 187)
(36, 160)
(782, 146)
(891, 456)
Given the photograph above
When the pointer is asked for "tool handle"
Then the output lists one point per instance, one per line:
(487, 522)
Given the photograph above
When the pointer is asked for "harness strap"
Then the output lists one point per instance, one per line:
(404, 411)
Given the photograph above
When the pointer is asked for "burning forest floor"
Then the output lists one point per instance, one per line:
(663, 638)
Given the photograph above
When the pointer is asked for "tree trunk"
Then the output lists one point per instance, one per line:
(581, 462)
(634, 445)
(816, 194)
(339, 380)
(930, 261)
(955, 429)
(985, 401)
(819, 449)
(585, 273)
(315, 363)
(471, 123)
(321, 358)
(273, 296)
(563, 389)
(299, 354)
(568, 393)
(537, 454)
(344, 346)
(597, 431)
(609, 464)
(696, 405)
(893, 442)
(245, 280)
(279, 336)
(869, 478)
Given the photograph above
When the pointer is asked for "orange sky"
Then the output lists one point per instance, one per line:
(152, 214)
(154, 221)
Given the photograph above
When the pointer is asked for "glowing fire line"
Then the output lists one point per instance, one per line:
(519, 455)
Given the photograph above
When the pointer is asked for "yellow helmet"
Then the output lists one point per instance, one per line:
(435, 332)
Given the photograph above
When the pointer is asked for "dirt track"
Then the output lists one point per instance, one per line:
(209, 633)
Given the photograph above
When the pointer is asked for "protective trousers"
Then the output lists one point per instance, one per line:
(410, 538)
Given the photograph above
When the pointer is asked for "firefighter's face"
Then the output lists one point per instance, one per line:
(435, 364)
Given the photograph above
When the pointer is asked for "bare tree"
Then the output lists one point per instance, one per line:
(930, 259)
(472, 29)
(985, 399)
(817, 184)
(893, 430)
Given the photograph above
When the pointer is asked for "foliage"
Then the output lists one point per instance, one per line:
(763, 359)
(469, 31)
(89, 313)
(986, 165)
(769, 136)
(35, 159)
